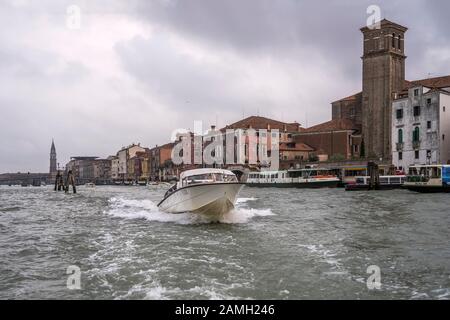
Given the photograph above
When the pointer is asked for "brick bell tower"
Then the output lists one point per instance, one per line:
(53, 168)
(383, 74)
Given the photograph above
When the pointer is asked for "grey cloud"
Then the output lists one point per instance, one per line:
(309, 53)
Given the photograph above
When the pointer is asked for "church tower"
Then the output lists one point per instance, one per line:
(53, 169)
(383, 74)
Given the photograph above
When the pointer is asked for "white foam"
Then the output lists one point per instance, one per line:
(243, 215)
(146, 209)
(244, 200)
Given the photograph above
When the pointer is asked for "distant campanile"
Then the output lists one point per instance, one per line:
(53, 168)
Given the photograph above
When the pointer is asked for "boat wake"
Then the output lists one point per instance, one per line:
(146, 209)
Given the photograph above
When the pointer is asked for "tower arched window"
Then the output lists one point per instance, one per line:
(400, 136)
(393, 40)
(400, 42)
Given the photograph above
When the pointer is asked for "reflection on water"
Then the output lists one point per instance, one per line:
(276, 244)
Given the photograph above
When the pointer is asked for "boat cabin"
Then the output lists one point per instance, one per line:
(206, 175)
(428, 173)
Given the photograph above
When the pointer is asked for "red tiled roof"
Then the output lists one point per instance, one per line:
(350, 98)
(438, 82)
(333, 125)
(257, 122)
(299, 146)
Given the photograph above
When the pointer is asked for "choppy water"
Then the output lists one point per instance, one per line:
(278, 244)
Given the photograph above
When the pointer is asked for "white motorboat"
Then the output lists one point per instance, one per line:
(211, 192)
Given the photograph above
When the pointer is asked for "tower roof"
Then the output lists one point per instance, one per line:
(53, 149)
(384, 24)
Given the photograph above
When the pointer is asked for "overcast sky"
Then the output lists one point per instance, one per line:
(136, 70)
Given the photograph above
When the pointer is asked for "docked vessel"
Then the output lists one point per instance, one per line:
(428, 178)
(298, 178)
(385, 183)
(211, 192)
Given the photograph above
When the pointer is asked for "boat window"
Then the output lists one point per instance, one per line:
(395, 180)
(200, 178)
(384, 180)
(229, 178)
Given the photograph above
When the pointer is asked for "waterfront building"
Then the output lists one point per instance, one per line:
(291, 152)
(335, 140)
(123, 156)
(362, 124)
(421, 125)
(87, 169)
(114, 167)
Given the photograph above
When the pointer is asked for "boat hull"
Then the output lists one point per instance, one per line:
(365, 187)
(428, 188)
(213, 199)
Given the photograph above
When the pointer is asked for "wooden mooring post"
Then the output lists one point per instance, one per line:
(374, 174)
(70, 180)
(59, 182)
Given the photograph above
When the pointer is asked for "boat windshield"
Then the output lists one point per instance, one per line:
(208, 178)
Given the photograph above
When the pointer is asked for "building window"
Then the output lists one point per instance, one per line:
(429, 101)
(443, 137)
(416, 134)
(400, 42)
(416, 111)
(443, 109)
(393, 40)
(400, 136)
(399, 113)
(400, 156)
(416, 92)
(416, 154)
(428, 124)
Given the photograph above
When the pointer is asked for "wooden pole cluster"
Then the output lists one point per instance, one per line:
(374, 174)
(59, 182)
(70, 180)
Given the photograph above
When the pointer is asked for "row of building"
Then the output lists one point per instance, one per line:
(391, 121)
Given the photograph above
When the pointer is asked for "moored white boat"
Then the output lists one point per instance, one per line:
(211, 192)
(385, 183)
(296, 178)
(428, 178)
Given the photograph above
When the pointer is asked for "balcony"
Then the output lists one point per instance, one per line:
(416, 144)
(399, 146)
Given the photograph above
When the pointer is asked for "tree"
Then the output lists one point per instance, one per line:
(363, 149)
